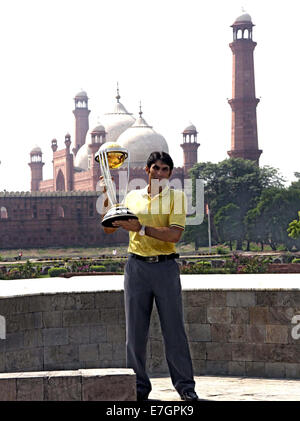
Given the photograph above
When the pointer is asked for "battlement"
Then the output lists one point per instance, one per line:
(49, 194)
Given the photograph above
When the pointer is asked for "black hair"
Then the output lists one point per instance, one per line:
(160, 156)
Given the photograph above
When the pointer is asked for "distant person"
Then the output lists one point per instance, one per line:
(19, 257)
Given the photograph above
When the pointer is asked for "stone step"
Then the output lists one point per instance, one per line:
(109, 384)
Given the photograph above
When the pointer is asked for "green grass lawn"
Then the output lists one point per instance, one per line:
(64, 252)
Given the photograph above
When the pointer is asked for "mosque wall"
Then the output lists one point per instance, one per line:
(46, 185)
(53, 220)
(83, 181)
(60, 219)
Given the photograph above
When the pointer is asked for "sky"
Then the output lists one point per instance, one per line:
(171, 55)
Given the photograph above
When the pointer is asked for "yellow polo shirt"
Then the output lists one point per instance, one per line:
(166, 209)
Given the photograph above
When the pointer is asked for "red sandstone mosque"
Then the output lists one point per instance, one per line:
(62, 211)
(78, 171)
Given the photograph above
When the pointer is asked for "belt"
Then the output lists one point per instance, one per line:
(155, 259)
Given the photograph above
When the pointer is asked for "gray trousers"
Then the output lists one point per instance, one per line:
(143, 283)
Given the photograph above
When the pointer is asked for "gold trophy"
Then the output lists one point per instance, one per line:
(112, 156)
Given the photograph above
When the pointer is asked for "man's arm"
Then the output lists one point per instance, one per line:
(169, 234)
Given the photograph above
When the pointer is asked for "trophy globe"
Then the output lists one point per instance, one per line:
(112, 156)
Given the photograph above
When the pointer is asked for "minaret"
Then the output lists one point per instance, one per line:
(190, 147)
(81, 113)
(98, 135)
(69, 164)
(36, 166)
(244, 142)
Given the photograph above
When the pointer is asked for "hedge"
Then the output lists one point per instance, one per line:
(56, 271)
(99, 268)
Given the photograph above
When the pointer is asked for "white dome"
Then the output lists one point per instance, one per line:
(98, 129)
(141, 140)
(81, 158)
(190, 128)
(36, 150)
(117, 122)
(245, 17)
(114, 124)
(81, 94)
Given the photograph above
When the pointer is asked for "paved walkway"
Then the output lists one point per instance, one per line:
(215, 388)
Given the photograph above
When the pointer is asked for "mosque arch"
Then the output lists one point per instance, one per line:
(81, 104)
(60, 181)
(34, 212)
(60, 212)
(3, 213)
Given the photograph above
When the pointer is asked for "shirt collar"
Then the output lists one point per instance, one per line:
(144, 191)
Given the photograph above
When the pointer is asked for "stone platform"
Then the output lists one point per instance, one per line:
(237, 325)
(72, 385)
(87, 385)
(220, 388)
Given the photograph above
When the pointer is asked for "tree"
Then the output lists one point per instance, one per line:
(197, 234)
(268, 221)
(294, 228)
(296, 184)
(237, 182)
(227, 221)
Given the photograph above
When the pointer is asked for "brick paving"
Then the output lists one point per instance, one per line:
(215, 388)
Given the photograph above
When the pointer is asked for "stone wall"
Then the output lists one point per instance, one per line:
(231, 332)
(71, 385)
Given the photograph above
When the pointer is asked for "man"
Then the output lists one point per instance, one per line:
(152, 273)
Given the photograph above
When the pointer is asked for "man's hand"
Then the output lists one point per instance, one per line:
(129, 225)
(109, 230)
(101, 184)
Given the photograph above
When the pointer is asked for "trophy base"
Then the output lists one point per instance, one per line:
(117, 213)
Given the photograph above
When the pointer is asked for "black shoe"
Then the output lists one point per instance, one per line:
(189, 395)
